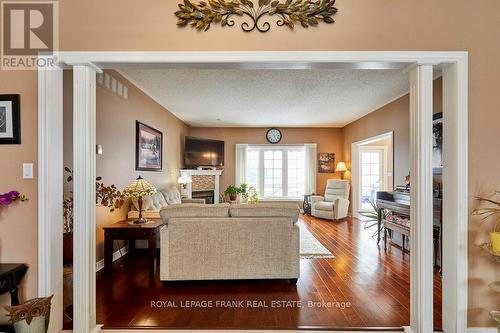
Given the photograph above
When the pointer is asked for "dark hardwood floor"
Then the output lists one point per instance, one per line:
(365, 287)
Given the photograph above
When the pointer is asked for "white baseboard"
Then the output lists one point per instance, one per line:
(482, 330)
(116, 255)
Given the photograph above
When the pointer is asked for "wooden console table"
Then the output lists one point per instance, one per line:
(10, 278)
(124, 230)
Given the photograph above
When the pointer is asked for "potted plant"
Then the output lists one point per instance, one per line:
(232, 191)
(253, 196)
(244, 192)
(493, 248)
(492, 211)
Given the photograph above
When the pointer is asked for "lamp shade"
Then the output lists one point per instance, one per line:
(184, 180)
(139, 188)
(341, 167)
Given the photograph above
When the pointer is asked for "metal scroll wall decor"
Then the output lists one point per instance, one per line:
(288, 13)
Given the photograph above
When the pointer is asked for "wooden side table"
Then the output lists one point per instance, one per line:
(125, 230)
(10, 277)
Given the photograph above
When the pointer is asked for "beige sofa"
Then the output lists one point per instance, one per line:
(226, 242)
(156, 202)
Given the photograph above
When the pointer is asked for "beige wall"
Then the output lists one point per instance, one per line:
(18, 222)
(115, 118)
(393, 117)
(329, 140)
(360, 25)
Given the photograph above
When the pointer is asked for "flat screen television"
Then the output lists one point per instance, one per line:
(203, 152)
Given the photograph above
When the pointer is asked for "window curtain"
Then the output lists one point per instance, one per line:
(240, 164)
(311, 167)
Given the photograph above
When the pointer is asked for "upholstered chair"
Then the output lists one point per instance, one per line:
(335, 204)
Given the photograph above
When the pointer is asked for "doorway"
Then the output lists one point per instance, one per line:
(85, 65)
(372, 170)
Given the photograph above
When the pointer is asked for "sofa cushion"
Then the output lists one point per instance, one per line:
(270, 209)
(194, 210)
(324, 205)
(172, 195)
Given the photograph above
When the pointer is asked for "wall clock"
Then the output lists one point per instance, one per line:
(273, 135)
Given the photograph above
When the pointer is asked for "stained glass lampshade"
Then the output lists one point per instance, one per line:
(138, 189)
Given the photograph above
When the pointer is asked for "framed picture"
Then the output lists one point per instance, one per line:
(148, 148)
(326, 162)
(437, 143)
(10, 120)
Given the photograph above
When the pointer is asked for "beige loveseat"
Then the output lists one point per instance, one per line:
(223, 242)
(156, 202)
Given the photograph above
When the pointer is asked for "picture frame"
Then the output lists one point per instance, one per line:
(326, 162)
(10, 119)
(437, 143)
(148, 148)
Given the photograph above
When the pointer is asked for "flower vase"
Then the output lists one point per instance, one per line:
(495, 241)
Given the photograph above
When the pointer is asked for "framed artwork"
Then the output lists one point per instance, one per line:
(326, 162)
(437, 143)
(148, 148)
(10, 119)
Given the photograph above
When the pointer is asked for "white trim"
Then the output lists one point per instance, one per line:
(455, 194)
(421, 266)
(355, 172)
(50, 189)
(297, 59)
(188, 192)
(116, 255)
(407, 329)
(281, 59)
(482, 330)
(84, 245)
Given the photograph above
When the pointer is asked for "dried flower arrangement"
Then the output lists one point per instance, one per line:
(106, 196)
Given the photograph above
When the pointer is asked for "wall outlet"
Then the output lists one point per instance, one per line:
(27, 170)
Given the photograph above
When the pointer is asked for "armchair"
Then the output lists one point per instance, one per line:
(334, 204)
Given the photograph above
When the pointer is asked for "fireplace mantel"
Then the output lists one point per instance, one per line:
(188, 192)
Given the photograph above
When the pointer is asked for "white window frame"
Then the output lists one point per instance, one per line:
(284, 176)
(383, 175)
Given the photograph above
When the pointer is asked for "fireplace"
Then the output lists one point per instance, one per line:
(204, 185)
(207, 195)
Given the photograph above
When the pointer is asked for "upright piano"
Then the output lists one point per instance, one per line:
(398, 203)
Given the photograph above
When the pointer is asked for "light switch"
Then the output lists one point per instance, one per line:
(98, 149)
(27, 170)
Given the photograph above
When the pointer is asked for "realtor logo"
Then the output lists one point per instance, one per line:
(29, 28)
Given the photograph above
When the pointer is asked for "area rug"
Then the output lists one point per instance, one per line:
(311, 248)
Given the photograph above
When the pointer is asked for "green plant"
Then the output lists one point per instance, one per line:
(487, 212)
(232, 190)
(370, 218)
(253, 196)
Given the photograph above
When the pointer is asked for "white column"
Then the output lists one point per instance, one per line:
(421, 275)
(455, 201)
(50, 191)
(84, 109)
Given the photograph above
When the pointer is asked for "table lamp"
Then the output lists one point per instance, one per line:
(184, 181)
(138, 189)
(341, 167)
